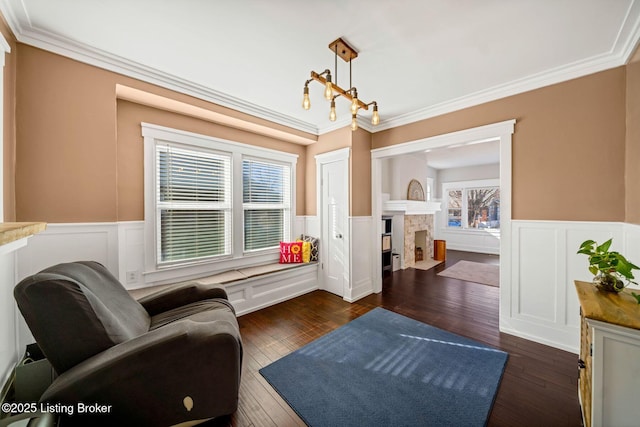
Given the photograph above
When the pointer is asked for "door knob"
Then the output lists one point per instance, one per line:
(338, 236)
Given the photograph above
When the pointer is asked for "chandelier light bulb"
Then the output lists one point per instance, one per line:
(306, 102)
(375, 119)
(354, 104)
(332, 113)
(328, 90)
(354, 122)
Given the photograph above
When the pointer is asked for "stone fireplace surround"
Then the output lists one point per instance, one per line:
(413, 224)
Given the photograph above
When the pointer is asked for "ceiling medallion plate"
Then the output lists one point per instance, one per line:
(344, 51)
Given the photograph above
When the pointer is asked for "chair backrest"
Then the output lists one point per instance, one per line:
(77, 310)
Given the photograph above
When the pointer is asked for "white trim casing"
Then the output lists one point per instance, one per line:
(153, 134)
(501, 131)
(361, 273)
(466, 239)
(4, 49)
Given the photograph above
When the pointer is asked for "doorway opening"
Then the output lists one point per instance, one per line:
(502, 133)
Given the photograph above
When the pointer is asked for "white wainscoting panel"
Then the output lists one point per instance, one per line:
(131, 254)
(482, 241)
(311, 226)
(10, 342)
(71, 242)
(632, 246)
(540, 302)
(537, 277)
(117, 245)
(360, 281)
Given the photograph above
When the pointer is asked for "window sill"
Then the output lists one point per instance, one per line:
(177, 273)
(474, 231)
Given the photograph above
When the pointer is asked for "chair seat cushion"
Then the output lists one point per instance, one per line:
(201, 311)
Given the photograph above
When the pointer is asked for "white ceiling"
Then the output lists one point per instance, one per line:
(473, 154)
(417, 58)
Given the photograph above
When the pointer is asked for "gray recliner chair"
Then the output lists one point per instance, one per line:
(172, 357)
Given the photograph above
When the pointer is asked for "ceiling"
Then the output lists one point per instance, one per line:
(474, 154)
(417, 58)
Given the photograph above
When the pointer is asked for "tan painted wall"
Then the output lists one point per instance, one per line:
(360, 173)
(564, 135)
(9, 132)
(79, 158)
(328, 142)
(632, 169)
(130, 152)
(76, 163)
(66, 133)
(359, 168)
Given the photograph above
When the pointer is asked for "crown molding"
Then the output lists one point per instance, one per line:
(99, 58)
(622, 50)
(532, 82)
(627, 40)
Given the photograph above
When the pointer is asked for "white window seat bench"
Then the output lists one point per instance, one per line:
(252, 288)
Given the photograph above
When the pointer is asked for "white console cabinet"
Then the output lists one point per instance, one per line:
(609, 357)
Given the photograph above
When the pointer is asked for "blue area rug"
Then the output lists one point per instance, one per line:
(384, 369)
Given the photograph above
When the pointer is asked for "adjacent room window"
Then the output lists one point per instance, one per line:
(473, 205)
(483, 207)
(454, 208)
(210, 200)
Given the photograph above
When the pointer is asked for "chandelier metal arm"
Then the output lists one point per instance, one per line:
(347, 94)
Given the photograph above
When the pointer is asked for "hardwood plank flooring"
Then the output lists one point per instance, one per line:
(539, 386)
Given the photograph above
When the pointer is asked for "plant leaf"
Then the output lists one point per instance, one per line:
(605, 246)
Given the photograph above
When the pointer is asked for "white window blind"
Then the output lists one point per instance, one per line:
(193, 204)
(266, 202)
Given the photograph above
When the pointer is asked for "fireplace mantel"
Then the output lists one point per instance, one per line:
(410, 207)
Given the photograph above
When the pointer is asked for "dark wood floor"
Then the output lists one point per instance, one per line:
(539, 386)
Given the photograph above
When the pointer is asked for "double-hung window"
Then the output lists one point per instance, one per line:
(210, 201)
(266, 203)
(193, 203)
(472, 204)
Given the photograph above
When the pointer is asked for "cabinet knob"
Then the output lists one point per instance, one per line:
(581, 364)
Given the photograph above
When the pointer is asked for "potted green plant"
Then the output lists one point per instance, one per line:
(610, 268)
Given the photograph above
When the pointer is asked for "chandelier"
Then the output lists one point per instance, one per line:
(332, 90)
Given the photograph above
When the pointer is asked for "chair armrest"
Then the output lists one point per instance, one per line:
(179, 295)
(149, 379)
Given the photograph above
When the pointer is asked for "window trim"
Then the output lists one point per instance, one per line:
(4, 49)
(464, 185)
(154, 135)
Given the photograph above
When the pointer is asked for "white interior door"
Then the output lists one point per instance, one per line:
(334, 205)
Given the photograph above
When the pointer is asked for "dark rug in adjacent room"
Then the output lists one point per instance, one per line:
(384, 369)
